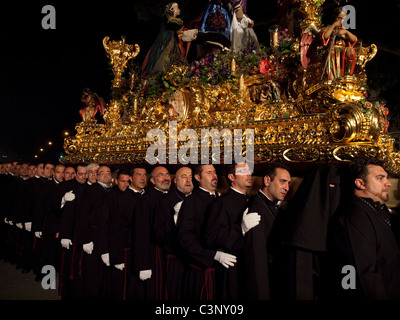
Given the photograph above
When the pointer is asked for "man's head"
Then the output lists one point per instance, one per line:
(139, 178)
(91, 171)
(370, 180)
(59, 172)
(23, 172)
(104, 175)
(39, 169)
(183, 180)
(161, 178)
(81, 174)
(206, 176)
(16, 168)
(32, 170)
(276, 182)
(122, 180)
(7, 167)
(69, 173)
(239, 176)
(48, 170)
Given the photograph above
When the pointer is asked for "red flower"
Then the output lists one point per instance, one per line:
(264, 66)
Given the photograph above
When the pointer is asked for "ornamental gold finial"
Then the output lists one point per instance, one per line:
(119, 53)
(311, 10)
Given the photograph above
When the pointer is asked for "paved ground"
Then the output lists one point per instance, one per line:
(14, 285)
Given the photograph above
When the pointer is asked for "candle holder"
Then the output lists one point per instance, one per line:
(274, 36)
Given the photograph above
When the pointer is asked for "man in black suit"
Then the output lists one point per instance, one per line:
(71, 282)
(198, 282)
(258, 258)
(51, 246)
(362, 239)
(88, 222)
(38, 216)
(166, 233)
(226, 226)
(147, 252)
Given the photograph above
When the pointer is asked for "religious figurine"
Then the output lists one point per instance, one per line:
(217, 18)
(93, 103)
(166, 49)
(341, 57)
(242, 33)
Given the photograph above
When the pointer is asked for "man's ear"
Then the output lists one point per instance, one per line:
(152, 180)
(267, 180)
(231, 176)
(197, 177)
(360, 184)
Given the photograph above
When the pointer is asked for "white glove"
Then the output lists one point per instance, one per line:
(120, 266)
(226, 259)
(28, 226)
(249, 220)
(69, 196)
(38, 234)
(177, 207)
(65, 243)
(19, 225)
(106, 259)
(10, 222)
(144, 274)
(5, 220)
(88, 247)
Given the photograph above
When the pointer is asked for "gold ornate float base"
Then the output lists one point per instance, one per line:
(306, 140)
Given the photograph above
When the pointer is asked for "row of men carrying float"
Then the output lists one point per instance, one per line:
(186, 241)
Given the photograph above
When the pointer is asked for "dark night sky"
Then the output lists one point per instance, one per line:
(44, 71)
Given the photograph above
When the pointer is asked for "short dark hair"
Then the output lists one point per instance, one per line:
(198, 169)
(138, 166)
(271, 169)
(227, 170)
(359, 170)
(122, 173)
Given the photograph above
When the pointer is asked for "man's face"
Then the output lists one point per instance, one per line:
(183, 180)
(242, 179)
(48, 170)
(277, 188)
(161, 178)
(17, 169)
(92, 174)
(59, 173)
(376, 184)
(40, 168)
(139, 179)
(208, 178)
(31, 171)
(69, 173)
(81, 174)
(23, 172)
(8, 167)
(104, 175)
(122, 182)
